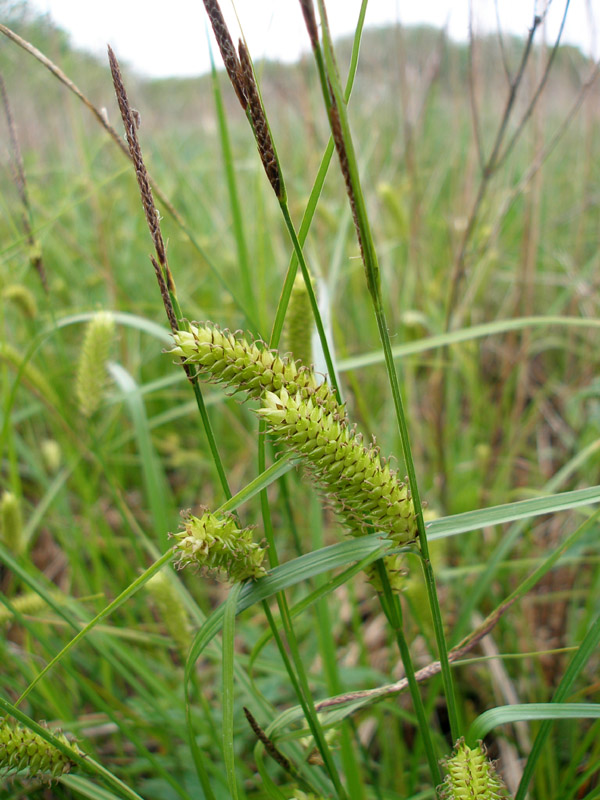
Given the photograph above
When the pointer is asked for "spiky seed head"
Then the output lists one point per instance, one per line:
(11, 523)
(249, 366)
(91, 370)
(364, 491)
(299, 323)
(305, 414)
(215, 543)
(470, 775)
(173, 614)
(22, 749)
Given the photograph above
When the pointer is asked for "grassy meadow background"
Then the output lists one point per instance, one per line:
(502, 415)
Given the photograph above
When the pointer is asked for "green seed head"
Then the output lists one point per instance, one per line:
(22, 298)
(171, 610)
(298, 329)
(304, 413)
(471, 775)
(11, 523)
(22, 749)
(91, 370)
(28, 604)
(216, 544)
(364, 491)
(249, 366)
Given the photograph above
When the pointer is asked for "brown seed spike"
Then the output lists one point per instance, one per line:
(340, 146)
(227, 48)
(130, 121)
(308, 11)
(259, 123)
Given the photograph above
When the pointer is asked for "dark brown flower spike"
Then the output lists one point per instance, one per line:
(308, 11)
(227, 48)
(259, 123)
(130, 121)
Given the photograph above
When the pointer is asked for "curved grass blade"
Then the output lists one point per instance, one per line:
(284, 576)
(509, 512)
(524, 712)
(158, 493)
(464, 335)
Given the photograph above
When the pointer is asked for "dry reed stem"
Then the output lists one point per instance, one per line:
(489, 170)
(227, 48)
(259, 123)
(166, 285)
(425, 673)
(20, 181)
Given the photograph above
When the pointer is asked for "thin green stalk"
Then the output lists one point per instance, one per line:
(374, 285)
(393, 611)
(184, 324)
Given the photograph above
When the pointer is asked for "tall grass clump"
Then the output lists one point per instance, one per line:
(226, 574)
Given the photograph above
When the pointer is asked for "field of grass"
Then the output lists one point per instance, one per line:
(483, 213)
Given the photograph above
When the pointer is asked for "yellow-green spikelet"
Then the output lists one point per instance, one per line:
(91, 369)
(470, 775)
(366, 492)
(22, 749)
(299, 323)
(216, 544)
(249, 366)
(305, 414)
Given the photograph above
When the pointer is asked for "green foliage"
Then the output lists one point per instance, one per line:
(503, 408)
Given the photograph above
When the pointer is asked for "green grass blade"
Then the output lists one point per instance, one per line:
(283, 464)
(282, 577)
(465, 335)
(116, 603)
(523, 712)
(81, 786)
(522, 509)
(158, 493)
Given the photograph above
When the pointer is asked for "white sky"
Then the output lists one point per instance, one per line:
(161, 38)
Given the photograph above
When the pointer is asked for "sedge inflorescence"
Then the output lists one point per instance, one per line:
(305, 415)
(216, 544)
(470, 774)
(249, 366)
(22, 749)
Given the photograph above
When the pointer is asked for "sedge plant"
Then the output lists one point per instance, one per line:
(176, 709)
